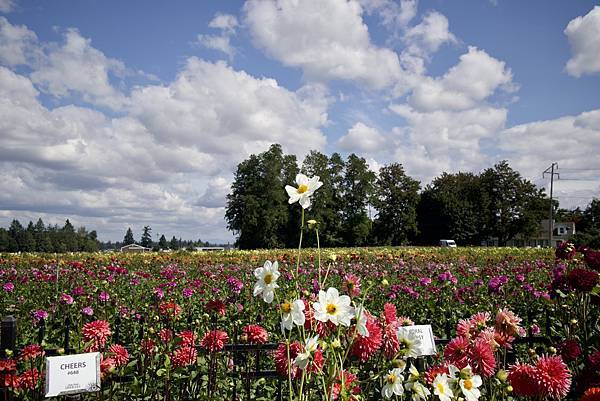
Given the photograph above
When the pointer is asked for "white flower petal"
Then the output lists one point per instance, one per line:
(304, 202)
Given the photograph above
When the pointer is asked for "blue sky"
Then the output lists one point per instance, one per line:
(130, 113)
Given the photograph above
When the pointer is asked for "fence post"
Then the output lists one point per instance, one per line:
(41, 331)
(8, 341)
(67, 335)
(117, 334)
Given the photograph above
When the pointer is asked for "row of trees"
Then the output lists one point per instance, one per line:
(41, 238)
(146, 241)
(356, 206)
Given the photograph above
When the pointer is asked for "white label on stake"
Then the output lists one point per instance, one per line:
(72, 374)
(422, 335)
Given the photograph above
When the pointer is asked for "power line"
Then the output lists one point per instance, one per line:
(580, 169)
(580, 179)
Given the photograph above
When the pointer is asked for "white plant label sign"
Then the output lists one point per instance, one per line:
(423, 335)
(72, 374)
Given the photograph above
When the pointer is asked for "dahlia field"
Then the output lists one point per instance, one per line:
(310, 324)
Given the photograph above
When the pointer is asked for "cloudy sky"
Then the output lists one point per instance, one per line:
(128, 113)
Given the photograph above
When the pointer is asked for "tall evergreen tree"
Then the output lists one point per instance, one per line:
(174, 244)
(16, 233)
(146, 240)
(162, 242)
(29, 244)
(395, 200)
(128, 239)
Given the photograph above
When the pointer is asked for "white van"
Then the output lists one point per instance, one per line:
(448, 243)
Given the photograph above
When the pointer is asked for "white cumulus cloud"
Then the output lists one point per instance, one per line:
(584, 37)
(362, 138)
(327, 40)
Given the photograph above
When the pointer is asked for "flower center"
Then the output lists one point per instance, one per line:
(268, 278)
(468, 384)
(331, 309)
(391, 378)
(440, 388)
(302, 188)
(286, 307)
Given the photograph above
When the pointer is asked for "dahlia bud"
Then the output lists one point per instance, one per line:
(502, 375)
(60, 351)
(312, 224)
(336, 343)
(509, 389)
(552, 350)
(385, 283)
(573, 321)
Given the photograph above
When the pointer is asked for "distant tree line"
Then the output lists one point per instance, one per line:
(146, 241)
(41, 238)
(357, 206)
(53, 238)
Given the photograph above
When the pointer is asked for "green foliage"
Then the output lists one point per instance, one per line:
(128, 239)
(257, 209)
(450, 207)
(326, 204)
(41, 238)
(511, 204)
(146, 239)
(356, 192)
(395, 199)
(162, 242)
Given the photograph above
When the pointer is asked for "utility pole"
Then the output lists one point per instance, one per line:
(550, 170)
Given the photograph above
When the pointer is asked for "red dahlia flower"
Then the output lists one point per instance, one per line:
(98, 331)
(8, 366)
(32, 351)
(165, 335)
(435, 370)
(592, 258)
(214, 340)
(217, 306)
(365, 347)
(188, 338)
(583, 280)
(553, 376)
(255, 334)
(184, 356)
(521, 377)
(591, 394)
(456, 352)
(107, 365)
(119, 354)
(349, 383)
(569, 350)
(170, 309)
(148, 346)
(29, 379)
(481, 359)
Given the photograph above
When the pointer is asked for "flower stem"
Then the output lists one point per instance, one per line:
(299, 249)
(319, 257)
